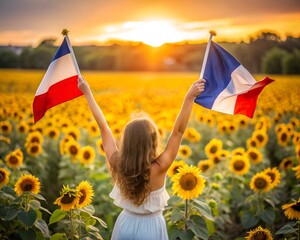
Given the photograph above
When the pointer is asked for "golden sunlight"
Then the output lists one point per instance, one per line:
(154, 33)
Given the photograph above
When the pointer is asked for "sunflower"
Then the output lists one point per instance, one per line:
(52, 132)
(261, 137)
(286, 163)
(173, 169)
(63, 142)
(184, 151)
(4, 177)
(254, 155)
(297, 171)
(34, 149)
(283, 138)
(22, 127)
(100, 147)
(295, 122)
(251, 142)
(261, 182)
(87, 155)
(69, 198)
(205, 165)
(34, 137)
(14, 159)
(296, 138)
(232, 126)
(162, 132)
(213, 147)
(297, 150)
(5, 139)
(223, 126)
(93, 129)
(192, 135)
(292, 210)
(27, 183)
(74, 132)
(238, 151)
(188, 183)
(239, 165)
(72, 148)
(274, 174)
(5, 127)
(279, 128)
(242, 121)
(259, 233)
(86, 193)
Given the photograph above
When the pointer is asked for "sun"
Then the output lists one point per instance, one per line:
(151, 32)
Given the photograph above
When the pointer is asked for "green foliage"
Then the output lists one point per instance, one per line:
(272, 61)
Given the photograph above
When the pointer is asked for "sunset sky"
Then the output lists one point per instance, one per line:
(27, 22)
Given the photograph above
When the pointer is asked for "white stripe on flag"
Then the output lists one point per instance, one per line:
(57, 71)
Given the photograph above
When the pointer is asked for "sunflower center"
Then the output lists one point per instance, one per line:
(21, 129)
(183, 151)
(83, 196)
(73, 135)
(253, 155)
(243, 123)
(260, 183)
(188, 181)
(2, 175)
(284, 137)
(34, 149)
(205, 167)
(175, 170)
(35, 139)
(73, 150)
(296, 207)
(253, 143)
(239, 165)
(288, 163)
(13, 160)
(216, 160)
(67, 198)
(260, 236)
(52, 134)
(272, 176)
(213, 149)
(101, 146)
(26, 185)
(86, 155)
(260, 138)
(4, 128)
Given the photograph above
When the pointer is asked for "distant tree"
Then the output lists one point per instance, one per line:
(272, 61)
(9, 59)
(25, 58)
(48, 42)
(41, 57)
(291, 63)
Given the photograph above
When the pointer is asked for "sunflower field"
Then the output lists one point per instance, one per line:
(234, 177)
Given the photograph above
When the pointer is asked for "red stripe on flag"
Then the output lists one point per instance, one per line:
(246, 102)
(60, 92)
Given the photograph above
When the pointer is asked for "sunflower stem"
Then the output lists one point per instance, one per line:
(71, 225)
(186, 213)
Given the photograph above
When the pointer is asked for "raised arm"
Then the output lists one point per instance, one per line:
(175, 138)
(109, 143)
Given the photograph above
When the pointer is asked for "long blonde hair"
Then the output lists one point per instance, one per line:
(139, 149)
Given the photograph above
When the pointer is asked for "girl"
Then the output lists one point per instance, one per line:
(138, 171)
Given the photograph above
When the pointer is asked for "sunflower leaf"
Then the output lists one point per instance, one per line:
(89, 209)
(267, 215)
(287, 229)
(27, 234)
(28, 218)
(42, 225)
(198, 226)
(204, 209)
(56, 216)
(59, 236)
(249, 220)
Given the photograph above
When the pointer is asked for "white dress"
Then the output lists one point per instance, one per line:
(144, 222)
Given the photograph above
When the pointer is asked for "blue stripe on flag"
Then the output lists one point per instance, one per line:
(62, 50)
(220, 65)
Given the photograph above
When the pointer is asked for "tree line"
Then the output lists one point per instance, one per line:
(264, 53)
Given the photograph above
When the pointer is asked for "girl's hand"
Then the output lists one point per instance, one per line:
(83, 85)
(196, 89)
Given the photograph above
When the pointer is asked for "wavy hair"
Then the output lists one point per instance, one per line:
(139, 149)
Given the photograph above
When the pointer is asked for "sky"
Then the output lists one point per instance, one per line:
(155, 22)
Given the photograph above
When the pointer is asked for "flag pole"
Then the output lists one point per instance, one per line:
(65, 34)
(212, 33)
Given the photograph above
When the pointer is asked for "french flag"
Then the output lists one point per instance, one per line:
(229, 87)
(59, 83)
